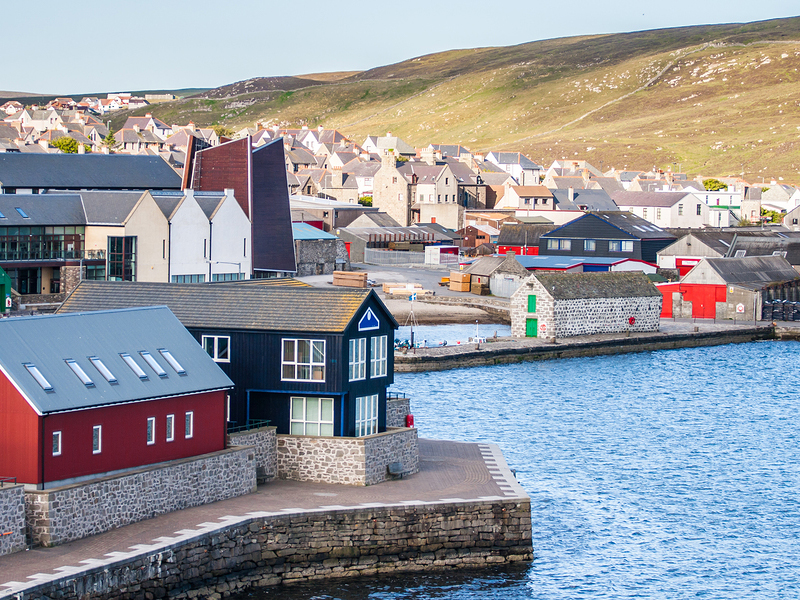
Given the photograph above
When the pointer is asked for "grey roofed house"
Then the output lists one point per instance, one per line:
(522, 234)
(513, 158)
(105, 335)
(655, 199)
(450, 150)
(636, 226)
(242, 307)
(573, 286)
(592, 200)
(109, 208)
(50, 209)
(747, 245)
(209, 202)
(85, 171)
(375, 219)
(752, 272)
(486, 266)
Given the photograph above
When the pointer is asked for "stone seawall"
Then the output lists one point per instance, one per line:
(349, 461)
(264, 441)
(489, 354)
(71, 512)
(12, 519)
(273, 549)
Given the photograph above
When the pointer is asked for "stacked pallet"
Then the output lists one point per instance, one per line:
(350, 279)
(480, 289)
(460, 282)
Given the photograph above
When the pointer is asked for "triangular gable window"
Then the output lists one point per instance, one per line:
(369, 321)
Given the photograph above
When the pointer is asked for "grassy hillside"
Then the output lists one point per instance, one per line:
(717, 99)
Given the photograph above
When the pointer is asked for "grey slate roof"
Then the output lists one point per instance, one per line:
(572, 286)
(209, 203)
(522, 234)
(86, 171)
(109, 208)
(103, 334)
(656, 199)
(268, 308)
(42, 209)
(636, 226)
(595, 200)
(488, 265)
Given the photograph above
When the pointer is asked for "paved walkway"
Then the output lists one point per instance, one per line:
(449, 471)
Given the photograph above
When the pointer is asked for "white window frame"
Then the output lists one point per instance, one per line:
(291, 361)
(589, 245)
(151, 431)
(378, 359)
(358, 359)
(366, 415)
(188, 425)
(621, 245)
(56, 443)
(170, 428)
(214, 354)
(97, 429)
(309, 423)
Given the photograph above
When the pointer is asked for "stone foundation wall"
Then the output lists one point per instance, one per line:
(395, 446)
(34, 301)
(318, 257)
(264, 441)
(12, 519)
(346, 460)
(396, 411)
(606, 315)
(284, 549)
(60, 515)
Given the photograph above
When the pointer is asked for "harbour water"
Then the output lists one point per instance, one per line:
(434, 335)
(670, 474)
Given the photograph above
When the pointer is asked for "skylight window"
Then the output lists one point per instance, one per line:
(134, 367)
(172, 362)
(21, 213)
(2, 216)
(76, 368)
(150, 360)
(104, 371)
(37, 375)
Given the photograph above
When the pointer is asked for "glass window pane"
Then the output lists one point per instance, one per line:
(208, 345)
(288, 350)
(312, 428)
(288, 372)
(312, 409)
(297, 409)
(297, 429)
(222, 348)
(326, 410)
(319, 352)
(303, 351)
(319, 373)
(303, 372)
(326, 429)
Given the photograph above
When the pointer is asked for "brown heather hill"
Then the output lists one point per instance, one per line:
(717, 99)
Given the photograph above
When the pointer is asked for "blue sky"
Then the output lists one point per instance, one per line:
(153, 44)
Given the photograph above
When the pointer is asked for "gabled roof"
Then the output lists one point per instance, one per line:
(531, 191)
(109, 208)
(626, 222)
(249, 307)
(512, 158)
(522, 234)
(86, 171)
(105, 335)
(752, 272)
(488, 265)
(209, 202)
(655, 199)
(573, 286)
(594, 200)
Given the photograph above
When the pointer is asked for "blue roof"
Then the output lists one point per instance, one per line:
(304, 231)
(55, 385)
(564, 262)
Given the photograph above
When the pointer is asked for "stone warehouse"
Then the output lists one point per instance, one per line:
(558, 305)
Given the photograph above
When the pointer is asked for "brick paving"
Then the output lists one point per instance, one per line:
(448, 471)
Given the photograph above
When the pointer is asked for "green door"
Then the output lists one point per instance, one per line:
(531, 327)
(532, 303)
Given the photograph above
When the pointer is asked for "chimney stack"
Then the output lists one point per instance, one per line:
(571, 194)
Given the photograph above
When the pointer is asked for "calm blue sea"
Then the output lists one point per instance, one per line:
(671, 474)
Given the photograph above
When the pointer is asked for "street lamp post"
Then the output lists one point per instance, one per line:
(225, 262)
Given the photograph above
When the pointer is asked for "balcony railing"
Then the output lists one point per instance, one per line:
(39, 254)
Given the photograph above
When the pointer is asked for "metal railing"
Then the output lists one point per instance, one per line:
(388, 258)
(7, 480)
(251, 424)
(396, 395)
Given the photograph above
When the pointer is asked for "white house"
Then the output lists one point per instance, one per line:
(665, 209)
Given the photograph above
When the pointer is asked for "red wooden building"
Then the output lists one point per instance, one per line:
(86, 395)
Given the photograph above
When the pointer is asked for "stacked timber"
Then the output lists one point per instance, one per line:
(480, 289)
(350, 279)
(460, 282)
